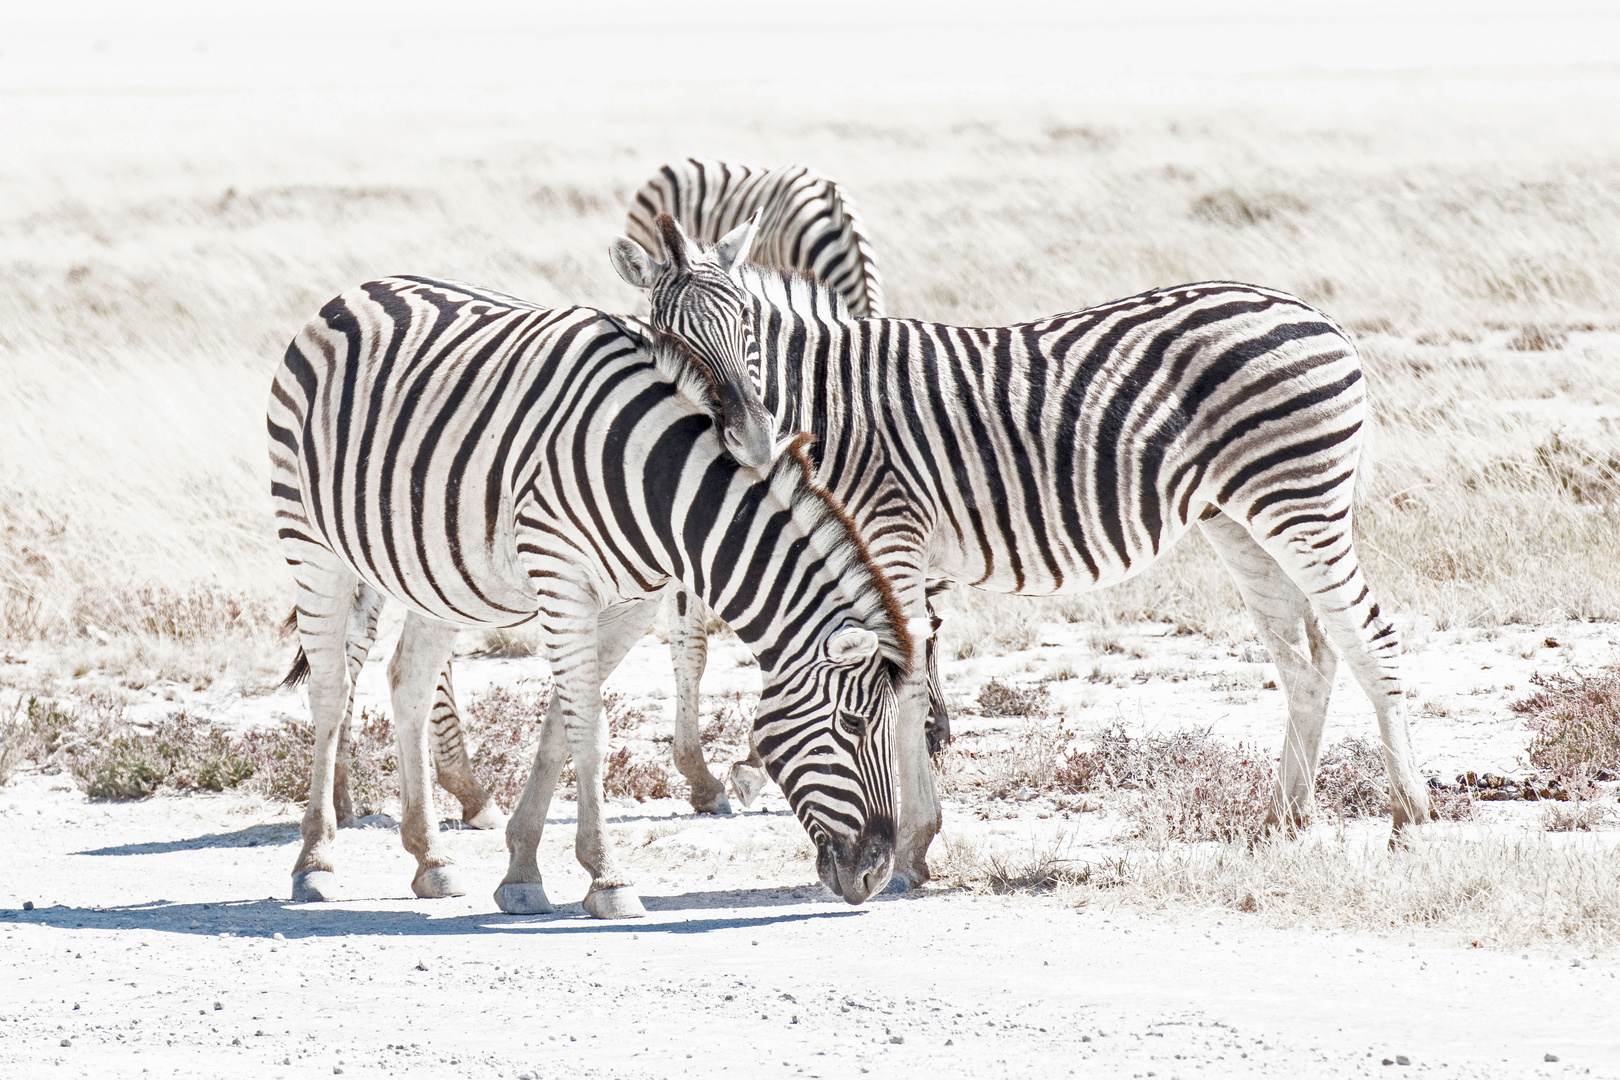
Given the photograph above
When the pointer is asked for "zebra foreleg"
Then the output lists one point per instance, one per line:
(570, 648)
(1305, 662)
(689, 653)
(424, 650)
(1323, 564)
(325, 594)
(919, 816)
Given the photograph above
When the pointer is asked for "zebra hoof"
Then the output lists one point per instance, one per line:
(436, 882)
(314, 886)
(717, 803)
(490, 817)
(616, 902)
(523, 898)
(749, 781)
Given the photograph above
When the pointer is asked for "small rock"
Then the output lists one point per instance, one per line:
(1389, 1061)
(421, 966)
(28, 905)
(218, 1005)
(194, 924)
(1402, 1059)
(278, 937)
(1551, 643)
(897, 1039)
(1549, 1057)
(66, 1042)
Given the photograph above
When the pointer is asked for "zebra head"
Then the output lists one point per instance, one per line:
(823, 731)
(700, 307)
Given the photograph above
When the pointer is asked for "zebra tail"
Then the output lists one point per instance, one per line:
(299, 671)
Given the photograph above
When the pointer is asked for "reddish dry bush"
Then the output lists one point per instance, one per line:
(1575, 721)
(505, 727)
(1201, 789)
(627, 779)
(1351, 780)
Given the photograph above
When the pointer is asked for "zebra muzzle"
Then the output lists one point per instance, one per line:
(857, 870)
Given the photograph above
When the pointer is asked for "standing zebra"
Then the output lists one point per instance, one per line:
(714, 354)
(488, 462)
(806, 223)
(1068, 453)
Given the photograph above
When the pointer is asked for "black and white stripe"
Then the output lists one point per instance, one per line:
(1070, 452)
(806, 220)
(488, 462)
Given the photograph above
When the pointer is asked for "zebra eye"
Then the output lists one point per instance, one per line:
(851, 723)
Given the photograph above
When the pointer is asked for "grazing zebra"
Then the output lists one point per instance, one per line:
(1068, 453)
(807, 221)
(489, 462)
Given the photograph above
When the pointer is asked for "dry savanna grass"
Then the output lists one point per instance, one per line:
(156, 254)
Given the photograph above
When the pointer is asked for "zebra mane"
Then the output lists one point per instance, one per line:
(793, 290)
(833, 535)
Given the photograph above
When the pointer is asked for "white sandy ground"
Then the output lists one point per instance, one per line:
(148, 914)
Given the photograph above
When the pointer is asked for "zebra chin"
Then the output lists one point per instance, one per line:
(857, 870)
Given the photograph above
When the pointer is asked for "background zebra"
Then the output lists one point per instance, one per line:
(486, 461)
(806, 223)
(1070, 452)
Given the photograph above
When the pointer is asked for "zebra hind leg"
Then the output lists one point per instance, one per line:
(1305, 662)
(454, 768)
(361, 635)
(689, 653)
(1320, 558)
(326, 590)
(423, 652)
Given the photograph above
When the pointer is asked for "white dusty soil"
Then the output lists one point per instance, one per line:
(152, 947)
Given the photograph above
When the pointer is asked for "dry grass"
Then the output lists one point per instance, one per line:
(152, 280)
(1499, 892)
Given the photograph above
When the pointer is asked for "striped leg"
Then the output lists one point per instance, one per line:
(1321, 560)
(451, 763)
(424, 650)
(581, 656)
(325, 595)
(919, 816)
(689, 652)
(1305, 661)
(362, 634)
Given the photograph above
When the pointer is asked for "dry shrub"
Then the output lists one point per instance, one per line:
(1003, 699)
(1202, 789)
(120, 761)
(1351, 779)
(504, 730)
(623, 778)
(1582, 816)
(1575, 725)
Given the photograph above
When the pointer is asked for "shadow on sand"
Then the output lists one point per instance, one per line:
(262, 918)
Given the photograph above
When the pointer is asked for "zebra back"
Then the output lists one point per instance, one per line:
(807, 222)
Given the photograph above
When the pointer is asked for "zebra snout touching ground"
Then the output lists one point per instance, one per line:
(857, 869)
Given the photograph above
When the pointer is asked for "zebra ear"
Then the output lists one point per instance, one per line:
(733, 247)
(851, 646)
(634, 264)
(678, 248)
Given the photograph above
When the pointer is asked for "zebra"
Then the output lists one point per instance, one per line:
(807, 223)
(1070, 452)
(722, 359)
(486, 461)
(807, 220)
